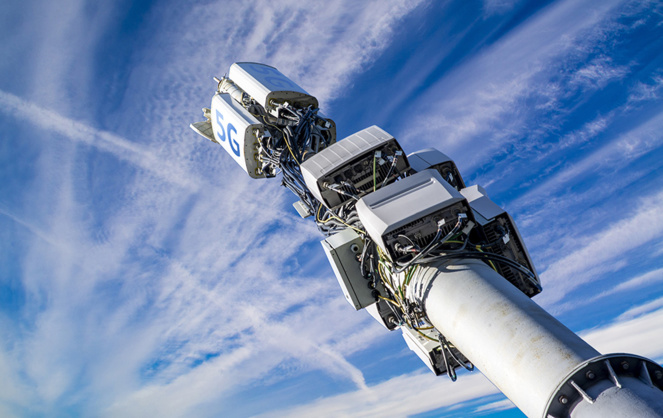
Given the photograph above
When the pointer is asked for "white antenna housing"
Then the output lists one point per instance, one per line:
(490, 218)
(432, 158)
(410, 210)
(237, 131)
(355, 165)
(268, 86)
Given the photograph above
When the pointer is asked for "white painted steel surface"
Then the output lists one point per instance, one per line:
(517, 345)
(634, 399)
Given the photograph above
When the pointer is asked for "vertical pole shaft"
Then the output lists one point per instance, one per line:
(516, 344)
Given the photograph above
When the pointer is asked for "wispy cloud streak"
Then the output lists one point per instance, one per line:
(633, 332)
(601, 251)
(186, 288)
(617, 153)
(483, 97)
(46, 122)
(424, 392)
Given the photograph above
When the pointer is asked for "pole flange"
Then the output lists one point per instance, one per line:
(593, 376)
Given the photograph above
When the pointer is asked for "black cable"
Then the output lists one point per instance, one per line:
(431, 245)
(364, 253)
(503, 233)
(486, 256)
(446, 348)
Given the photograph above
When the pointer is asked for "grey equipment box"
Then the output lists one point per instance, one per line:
(355, 165)
(491, 220)
(429, 350)
(342, 250)
(432, 158)
(410, 210)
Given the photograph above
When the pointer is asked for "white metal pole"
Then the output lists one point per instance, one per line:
(516, 344)
(632, 399)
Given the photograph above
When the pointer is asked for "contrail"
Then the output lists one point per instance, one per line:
(102, 140)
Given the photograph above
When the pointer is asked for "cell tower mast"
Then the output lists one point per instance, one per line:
(423, 253)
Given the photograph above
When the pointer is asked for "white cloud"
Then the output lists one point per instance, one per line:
(637, 331)
(496, 406)
(646, 91)
(588, 132)
(600, 251)
(481, 102)
(638, 281)
(649, 278)
(618, 153)
(649, 307)
(399, 396)
(498, 6)
(48, 47)
(12, 390)
(597, 73)
(46, 120)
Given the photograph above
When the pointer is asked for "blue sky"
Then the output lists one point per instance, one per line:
(142, 273)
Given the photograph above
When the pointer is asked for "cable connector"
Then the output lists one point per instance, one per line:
(468, 227)
(302, 209)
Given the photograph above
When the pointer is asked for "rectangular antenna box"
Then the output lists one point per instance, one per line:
(494, 221)
(432, 158)
(268, 86)
(410, 210)
(342, 250)
(237, 131)
(355, 165)
(427, 349)
(423, 343)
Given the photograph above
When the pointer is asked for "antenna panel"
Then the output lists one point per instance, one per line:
(410, 210)
(355, 166)
(432, 158)
(493, 221)
(268, 86)
(237, 131)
